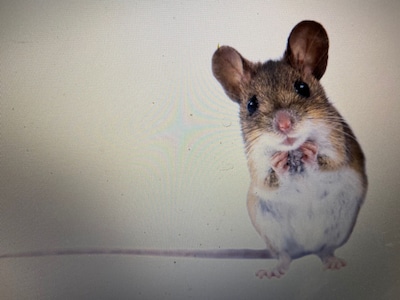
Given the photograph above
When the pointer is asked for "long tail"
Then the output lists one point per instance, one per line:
(209, 253)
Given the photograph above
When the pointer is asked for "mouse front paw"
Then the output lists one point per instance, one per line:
(279, 162)
(310, 151)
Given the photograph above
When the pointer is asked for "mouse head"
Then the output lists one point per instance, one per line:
(275, 96)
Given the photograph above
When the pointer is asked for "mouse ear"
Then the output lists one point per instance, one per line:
(307, 48)
(232, 71)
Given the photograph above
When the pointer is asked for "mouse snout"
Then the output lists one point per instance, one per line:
(283, 122)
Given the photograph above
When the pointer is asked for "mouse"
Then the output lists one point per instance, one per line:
(307, 170)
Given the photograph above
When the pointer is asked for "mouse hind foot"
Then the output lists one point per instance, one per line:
(279, 270)
(331, 262)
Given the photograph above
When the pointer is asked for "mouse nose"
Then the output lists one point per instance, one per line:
(283, 121)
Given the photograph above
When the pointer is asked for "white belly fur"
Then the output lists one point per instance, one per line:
(310, 213)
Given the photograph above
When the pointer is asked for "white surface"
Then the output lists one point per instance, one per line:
(115, 133)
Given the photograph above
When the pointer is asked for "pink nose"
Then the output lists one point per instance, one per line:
(283, 121)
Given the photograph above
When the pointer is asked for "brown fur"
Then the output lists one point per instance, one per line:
(294, 140)
(305, 59)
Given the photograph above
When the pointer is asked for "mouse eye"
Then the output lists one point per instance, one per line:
(302, 88)
(252, 105)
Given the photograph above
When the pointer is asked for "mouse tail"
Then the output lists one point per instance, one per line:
(194, 253)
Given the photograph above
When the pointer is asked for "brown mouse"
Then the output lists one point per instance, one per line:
(307, 169)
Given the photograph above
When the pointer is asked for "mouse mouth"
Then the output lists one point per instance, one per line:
(289, 141)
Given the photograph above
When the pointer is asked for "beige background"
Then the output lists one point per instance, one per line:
(114, 133)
